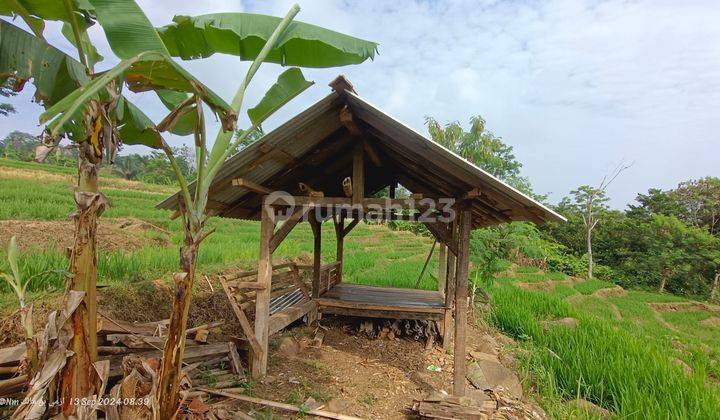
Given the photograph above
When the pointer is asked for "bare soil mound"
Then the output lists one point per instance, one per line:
(684, 307)
(616, 291)
(713, 321)
(125, 234)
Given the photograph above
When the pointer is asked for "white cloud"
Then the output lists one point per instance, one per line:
(574, 86)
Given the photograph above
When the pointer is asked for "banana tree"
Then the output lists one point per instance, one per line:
(92, 112)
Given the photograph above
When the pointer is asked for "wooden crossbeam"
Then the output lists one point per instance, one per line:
(242, 318)
(250, 185)
(372, 154)
(443, 233)
(346, 118)
(287, 227)
(350, 227)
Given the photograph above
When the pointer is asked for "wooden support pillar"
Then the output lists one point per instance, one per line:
(358, 177)
(461, 302)
(317, 260)
(393, 188)
(339, 221)
(259, 359)
(450, 291)
(442, 268)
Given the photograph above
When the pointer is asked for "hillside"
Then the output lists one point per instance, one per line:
(635, 353)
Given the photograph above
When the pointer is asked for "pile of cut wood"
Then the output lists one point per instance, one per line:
(491, 404)
(209, 364)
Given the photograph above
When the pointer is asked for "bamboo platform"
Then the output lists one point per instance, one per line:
(382, 302)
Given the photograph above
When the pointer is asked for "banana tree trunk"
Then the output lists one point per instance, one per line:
(171, 366)
(77, 377)
(31, 345)
(716, 284)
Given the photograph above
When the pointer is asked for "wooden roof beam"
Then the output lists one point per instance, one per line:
(250, 185)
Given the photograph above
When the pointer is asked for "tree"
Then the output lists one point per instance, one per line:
(18, 145)
(6, 91)
(481, 147)
(700, 203)
(91, 112)
(590, 202)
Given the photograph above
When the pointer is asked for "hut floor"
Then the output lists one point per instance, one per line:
(382, 302)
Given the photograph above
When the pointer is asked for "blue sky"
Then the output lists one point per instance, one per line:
(574, 86)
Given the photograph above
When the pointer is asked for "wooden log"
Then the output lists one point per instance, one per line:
(372, 154)
(253, 285)
(461, 293)
(262, 298)
(346, 118)
(358, 174)
(450, 290)
(250, 185)
(280, 406)
(375, 313)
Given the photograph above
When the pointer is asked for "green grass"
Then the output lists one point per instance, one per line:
(608, 366)
(590, 286)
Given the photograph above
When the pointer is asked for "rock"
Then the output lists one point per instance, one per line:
(312, 404)
(478, 355)
(337, 405)
(288, 347)
(565, 322)
(615, 291)
(487, 374)
(505, 340)
(488, 344)
(586, 407)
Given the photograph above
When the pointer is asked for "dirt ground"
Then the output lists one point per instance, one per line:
(355, 375)
(126, 234)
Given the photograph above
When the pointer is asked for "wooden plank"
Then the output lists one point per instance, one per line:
(350, 226)
(262, 297)
(317, 249)
(280, 406)
(250, 185)
(358, 173)
(242, 318)
(289, 315)
(372, 313)
(335, 303)
(461, 294)
(450, 291)
(443, 233)
(287, 227)
(339, 222)
(253, 285)
(442, 268)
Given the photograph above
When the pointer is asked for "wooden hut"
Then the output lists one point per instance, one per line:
(331, 160)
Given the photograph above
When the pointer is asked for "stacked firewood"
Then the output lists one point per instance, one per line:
(213, 364)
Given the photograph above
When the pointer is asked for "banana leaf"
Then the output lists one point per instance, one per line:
(289, 84)
(244, 34)
(55, 75)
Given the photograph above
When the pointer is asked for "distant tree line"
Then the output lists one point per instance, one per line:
(668, 241)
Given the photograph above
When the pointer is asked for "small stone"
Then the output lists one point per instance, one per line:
(478, 355)
(288, 347)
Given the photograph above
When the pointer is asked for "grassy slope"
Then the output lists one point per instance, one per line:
(43, 192)
(620, 358)
(624, 355)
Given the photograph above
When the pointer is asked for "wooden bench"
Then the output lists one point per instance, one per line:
(290, 297)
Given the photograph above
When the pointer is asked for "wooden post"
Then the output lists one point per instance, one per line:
(450, 291)
(340, 238)
(262, 297)
(461, 293)
(358, 178)
(317, 260)
(442, 268)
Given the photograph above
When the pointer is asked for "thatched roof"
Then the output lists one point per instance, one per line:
(315, 148)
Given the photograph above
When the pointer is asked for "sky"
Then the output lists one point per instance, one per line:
(576, 87)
